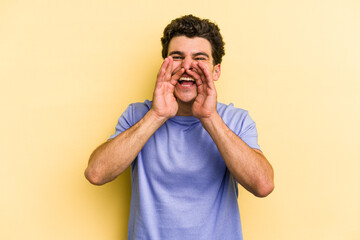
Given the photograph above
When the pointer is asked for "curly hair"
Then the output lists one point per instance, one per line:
(191, 26)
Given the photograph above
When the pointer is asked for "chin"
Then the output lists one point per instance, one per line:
(186, 98)
(185, 95)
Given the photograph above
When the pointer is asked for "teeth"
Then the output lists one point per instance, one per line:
(187, 79)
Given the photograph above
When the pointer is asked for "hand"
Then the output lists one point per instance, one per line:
(164, 102)
(204, 105)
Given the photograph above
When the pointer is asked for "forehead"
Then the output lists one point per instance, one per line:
(189, 45)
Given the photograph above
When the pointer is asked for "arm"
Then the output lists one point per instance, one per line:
(112, 158)
(248, 166)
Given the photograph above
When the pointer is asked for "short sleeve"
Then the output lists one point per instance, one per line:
(133, 113)
(249, 132)
(124, 122)
(240, 122)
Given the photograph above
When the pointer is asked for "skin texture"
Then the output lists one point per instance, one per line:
(190, 58)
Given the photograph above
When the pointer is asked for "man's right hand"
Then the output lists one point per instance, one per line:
(164, 103)
(110, 159)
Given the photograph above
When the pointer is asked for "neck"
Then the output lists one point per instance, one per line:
(185, 108)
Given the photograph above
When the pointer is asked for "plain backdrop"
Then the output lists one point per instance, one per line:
(68, 69)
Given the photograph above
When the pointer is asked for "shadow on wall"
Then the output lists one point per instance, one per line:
(120, 192)
(111, 201)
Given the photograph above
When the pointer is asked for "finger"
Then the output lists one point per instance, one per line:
(200, 72)
(196, 73)
(195, 67)
(208, 77)
(162, 70)
(168, 69)
(199, 77)
(205, 71)
(195, 76)
(176, 76)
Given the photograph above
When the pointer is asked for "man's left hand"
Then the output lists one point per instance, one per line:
(204, 105)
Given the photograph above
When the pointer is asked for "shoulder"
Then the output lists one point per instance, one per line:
(136, 111)
(141, 106)
(229, 112)
(237, 119)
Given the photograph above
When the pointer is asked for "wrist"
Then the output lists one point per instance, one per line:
(211, 120)
(155, 117)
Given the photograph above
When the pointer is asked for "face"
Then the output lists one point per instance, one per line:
(186, 53)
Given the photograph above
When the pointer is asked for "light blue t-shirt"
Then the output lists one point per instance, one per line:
(181, 187)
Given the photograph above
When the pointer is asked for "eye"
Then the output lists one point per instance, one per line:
(177, 57)
(200, 59)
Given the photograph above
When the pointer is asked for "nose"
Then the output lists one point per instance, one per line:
(186, 63)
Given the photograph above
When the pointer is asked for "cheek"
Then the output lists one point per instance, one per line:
(176, 66)
(209, 68)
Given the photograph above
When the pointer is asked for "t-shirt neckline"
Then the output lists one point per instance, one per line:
(185, 119)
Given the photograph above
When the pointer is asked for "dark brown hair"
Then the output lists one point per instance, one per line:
(191, 26)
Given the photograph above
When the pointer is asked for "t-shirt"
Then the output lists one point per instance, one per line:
(181, 187)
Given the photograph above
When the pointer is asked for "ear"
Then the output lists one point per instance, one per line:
(217, 72)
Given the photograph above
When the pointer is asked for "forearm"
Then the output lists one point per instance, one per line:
(249, 167)
(113, 157)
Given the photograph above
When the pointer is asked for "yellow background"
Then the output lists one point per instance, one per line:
(69, 68)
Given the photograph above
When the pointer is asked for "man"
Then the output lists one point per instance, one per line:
(187, 152)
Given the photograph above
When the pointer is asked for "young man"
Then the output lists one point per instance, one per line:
(187, 152)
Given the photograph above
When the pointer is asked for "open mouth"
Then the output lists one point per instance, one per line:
(186, 81)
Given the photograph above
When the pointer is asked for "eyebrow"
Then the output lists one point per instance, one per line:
(201, 54)
(194, 55)
(176, 52)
